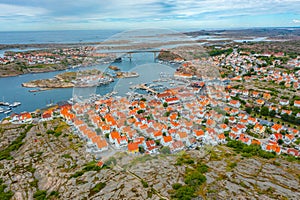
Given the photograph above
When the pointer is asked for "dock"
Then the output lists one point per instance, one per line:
(144, 87)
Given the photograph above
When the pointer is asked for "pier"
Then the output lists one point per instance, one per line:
(144, 87)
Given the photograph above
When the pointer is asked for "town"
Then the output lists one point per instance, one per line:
(255, 101)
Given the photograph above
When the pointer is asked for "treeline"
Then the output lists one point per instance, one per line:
(249, 150)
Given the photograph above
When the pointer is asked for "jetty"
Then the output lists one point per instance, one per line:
(144, 87)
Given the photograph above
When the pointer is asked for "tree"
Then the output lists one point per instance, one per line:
(280, 141)
(256, 109)
(272, 113)
(264, 111)
(165, 104)
(141, 149)
(226, 121)
(248, 110)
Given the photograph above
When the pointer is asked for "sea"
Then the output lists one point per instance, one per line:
(11, 89)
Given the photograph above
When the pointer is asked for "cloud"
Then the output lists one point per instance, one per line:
(146, 11)
(17, 10)
(296, 21)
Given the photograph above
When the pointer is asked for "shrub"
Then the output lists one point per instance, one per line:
(40, 195)
(176, 186)
(144, 183)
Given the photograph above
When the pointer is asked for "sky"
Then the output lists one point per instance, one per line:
(25, 15)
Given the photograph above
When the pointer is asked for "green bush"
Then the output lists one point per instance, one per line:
(176, 186)
(97, 188)
(5, 195)
(194, 178)
(185, 193)
(40, 195)
(144, 183)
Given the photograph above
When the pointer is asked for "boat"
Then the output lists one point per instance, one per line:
(7, 111)
(4, 103)
(15, 104)
(1, 110)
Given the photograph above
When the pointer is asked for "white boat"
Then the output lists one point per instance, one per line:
(15, 104)
(1, 110)
(7, 111)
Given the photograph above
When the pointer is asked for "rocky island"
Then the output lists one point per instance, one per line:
(126, 74)
(71, 79)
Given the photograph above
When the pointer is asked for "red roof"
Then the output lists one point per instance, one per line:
(133, 146)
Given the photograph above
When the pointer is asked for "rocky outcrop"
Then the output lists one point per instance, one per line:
(47, 162)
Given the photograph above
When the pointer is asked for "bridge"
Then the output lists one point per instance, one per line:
(129, 53)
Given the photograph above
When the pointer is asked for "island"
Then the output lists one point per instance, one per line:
(85, 78)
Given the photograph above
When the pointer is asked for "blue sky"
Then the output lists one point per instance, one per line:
(128, 14)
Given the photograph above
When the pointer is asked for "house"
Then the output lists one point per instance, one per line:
(133, 147)
(172, 100)
(166, 140)
(258, 128)
(244, 139)
(255, 142)
(260, 102)
(276, 136)
(176, 146)
(231, 119)
(235, 103)
(294, 132)
(297, 103)
(288, 112)
(233, 136)
(255, 94)
(272, 147)
(252, 120)
(234, 112)
(284, 102)
(121, 142)
(293, 152)
(150, 146)
(47, 115)
(276, 128)
(182, 136)
(267, 96)
(210, 123)
(157, 135)
(289, 138)
(223, 128)
(101, 145)
(25, 117)
(199, 134)
(113, 136)
(221, 138)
